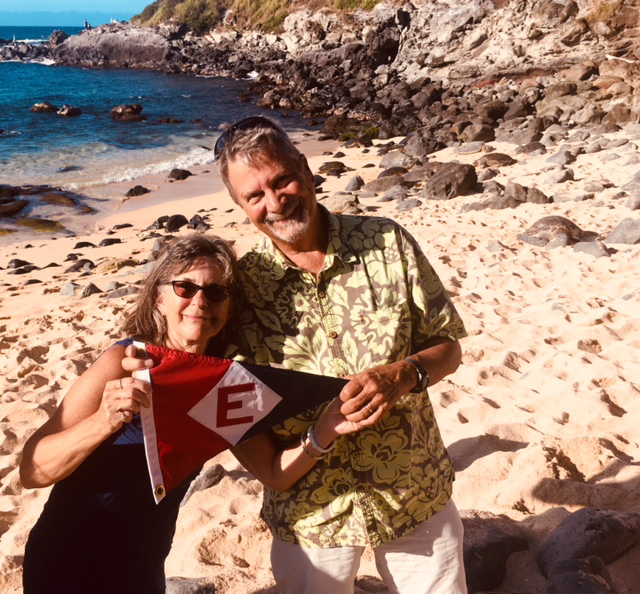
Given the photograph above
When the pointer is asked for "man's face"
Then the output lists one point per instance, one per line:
(278, 196)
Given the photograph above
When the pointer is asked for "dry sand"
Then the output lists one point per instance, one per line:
(541, 419)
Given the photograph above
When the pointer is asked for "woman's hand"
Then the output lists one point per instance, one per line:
(122, 398)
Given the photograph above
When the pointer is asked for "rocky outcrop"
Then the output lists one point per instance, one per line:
(455, 72)
(116, 46)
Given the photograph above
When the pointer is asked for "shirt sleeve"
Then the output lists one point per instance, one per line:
(432, 311)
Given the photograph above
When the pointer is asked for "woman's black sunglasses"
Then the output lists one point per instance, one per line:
(246, 124)
(187, 290)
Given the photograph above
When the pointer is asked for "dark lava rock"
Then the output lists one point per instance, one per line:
(583, 576)
(488, 543)
(137, 191)
(591, 531)
(12, 208)
(69, 111)
(80, 245)
(44, 107)
(90, 289)
(17, 263)
(59, 199)
(175, 222)
(198, 223)
(179, 174)
(81, 265)
(107, 241)
(127, 113)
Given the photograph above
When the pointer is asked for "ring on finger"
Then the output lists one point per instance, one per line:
(369, 408)
(121, 384)
(123, 414)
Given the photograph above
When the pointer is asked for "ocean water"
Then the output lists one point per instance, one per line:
(33, 34)
(91, 149)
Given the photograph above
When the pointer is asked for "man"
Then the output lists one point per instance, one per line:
(353, 297)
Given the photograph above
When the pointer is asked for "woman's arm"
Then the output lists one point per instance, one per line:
(280, 469)
(96, 406)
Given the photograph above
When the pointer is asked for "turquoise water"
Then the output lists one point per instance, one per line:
(92, 149)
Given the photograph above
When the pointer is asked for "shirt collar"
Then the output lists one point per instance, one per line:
(337, 248)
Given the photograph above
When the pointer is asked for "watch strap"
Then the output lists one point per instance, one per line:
(423, 376)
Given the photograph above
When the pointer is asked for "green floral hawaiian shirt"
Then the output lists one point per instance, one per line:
(376, 301)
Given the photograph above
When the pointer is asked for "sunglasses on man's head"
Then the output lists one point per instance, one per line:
(246, 124)
(187, 290)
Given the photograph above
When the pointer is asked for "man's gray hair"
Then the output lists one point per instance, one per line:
(252, 144)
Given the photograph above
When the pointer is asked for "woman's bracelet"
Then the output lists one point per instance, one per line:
(307, 451)
(316, 445)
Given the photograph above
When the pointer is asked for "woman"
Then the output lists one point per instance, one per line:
(101, 530)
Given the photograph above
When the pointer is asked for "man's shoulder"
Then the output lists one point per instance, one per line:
(367, 224)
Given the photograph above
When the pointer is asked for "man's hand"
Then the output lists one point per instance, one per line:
(370, 394)
(135, 360)
(375, 391)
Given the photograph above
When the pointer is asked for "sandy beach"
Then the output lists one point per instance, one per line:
(540, 420)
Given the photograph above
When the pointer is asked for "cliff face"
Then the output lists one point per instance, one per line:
(392, 67)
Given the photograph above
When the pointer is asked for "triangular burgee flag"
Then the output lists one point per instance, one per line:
(203, 405)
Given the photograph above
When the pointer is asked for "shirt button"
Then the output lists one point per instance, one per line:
(333, 334)
(322, 295)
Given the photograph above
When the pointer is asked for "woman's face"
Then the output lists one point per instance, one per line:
(193, 322)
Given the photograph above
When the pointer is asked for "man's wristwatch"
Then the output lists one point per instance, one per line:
(423, 376)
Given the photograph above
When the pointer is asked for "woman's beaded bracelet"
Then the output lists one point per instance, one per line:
(316, 445)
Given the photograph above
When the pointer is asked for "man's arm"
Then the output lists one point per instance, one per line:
(379, 388)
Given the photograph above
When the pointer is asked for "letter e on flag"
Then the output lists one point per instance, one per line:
(236, 403)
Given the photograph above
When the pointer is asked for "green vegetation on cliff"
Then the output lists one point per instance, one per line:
(267, 15)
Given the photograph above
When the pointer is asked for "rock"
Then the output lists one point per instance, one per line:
(12, 208)
(198, 223)
(488, 543)
(17, 263)
(451, 180)
(591, 531)
(627, 231)
(83, 244)
(137, 191)
(175, 222)
(183, 585)
(354, 184)
(57, 37)
(107, 241)
(127, 113)
(59, 199)
(409, 204)
(595, 248)
(90, 289)
(69, 111)
(69, 289)
(633, 203)
(44, 107)
(584, 576)
(179, 174)
(82, 265)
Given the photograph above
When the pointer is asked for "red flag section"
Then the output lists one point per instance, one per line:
(203, 405)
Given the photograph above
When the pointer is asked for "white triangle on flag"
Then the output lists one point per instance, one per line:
(236, 403)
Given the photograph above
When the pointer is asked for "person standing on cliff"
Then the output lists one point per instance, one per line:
(355, 297)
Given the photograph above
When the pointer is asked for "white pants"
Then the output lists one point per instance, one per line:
(428, 560)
